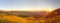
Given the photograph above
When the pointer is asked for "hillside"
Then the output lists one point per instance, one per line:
(54, 16)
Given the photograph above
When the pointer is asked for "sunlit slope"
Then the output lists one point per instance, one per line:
(14, 19)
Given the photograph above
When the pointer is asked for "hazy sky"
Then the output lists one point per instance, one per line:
(28, 4)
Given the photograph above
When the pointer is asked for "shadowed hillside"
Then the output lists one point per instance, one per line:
(54, 16)
(54, 13)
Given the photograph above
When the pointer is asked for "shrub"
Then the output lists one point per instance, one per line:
(12, 19)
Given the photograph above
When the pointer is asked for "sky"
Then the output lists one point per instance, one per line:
(29, 5)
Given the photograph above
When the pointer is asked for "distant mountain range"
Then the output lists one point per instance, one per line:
(25, 13)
